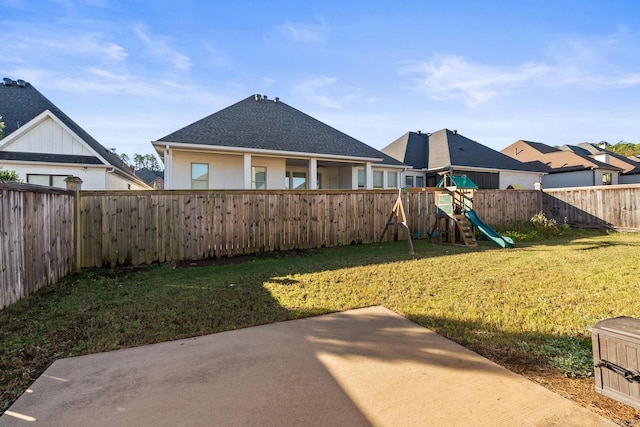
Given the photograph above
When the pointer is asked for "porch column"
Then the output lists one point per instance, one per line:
(368, 176)
(313, 174)
(247, 171)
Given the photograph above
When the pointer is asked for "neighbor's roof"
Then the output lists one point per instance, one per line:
(148, 176)
(20, 103)
(629, 166)
(445, 148)
(271, 125)
(554, 159)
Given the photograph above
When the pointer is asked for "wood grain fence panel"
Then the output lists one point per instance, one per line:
(602, 206)
(177, 225)
(36, 235)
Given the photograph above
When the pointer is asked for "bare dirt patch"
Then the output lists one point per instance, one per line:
(581, 391)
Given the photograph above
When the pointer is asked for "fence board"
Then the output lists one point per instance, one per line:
(36, 239)
(597, 207)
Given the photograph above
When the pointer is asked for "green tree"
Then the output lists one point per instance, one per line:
(149, 161)
(122, 156)
(625, 148)
(8, 175)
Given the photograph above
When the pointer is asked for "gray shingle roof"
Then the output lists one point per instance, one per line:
(148, 176)
(265, 124)
(445, 148)
(19, 104)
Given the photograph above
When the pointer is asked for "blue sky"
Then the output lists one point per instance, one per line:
(130, 72)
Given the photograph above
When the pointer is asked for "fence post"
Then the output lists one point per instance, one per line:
(74, 184)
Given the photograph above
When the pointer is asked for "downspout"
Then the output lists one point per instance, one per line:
(106, 181)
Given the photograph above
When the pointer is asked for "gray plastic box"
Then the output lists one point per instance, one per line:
(616, 359)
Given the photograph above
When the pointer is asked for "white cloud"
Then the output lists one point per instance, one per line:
(607, 62)
(305, 33)
(160, 47)
(453, 77)
(327, 92)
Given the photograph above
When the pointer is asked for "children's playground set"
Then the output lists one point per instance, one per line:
(456, 221)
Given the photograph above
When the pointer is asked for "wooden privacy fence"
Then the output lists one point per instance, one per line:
(163, 226)
(36, 238)
(503, 208)
(598, 207)
(138, 227)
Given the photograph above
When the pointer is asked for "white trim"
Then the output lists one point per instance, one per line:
(36, 121)
(247, 172)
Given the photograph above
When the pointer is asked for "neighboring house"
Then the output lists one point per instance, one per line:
(565, 168)
(44, 146)
(154, 179)
(630, 169)
(431, 154)
(259, 143)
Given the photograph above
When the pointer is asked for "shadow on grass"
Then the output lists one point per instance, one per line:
(107, 309)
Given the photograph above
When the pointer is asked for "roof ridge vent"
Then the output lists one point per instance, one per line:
(275, 100)
(257, 97)
(21, 83)
(7, 81)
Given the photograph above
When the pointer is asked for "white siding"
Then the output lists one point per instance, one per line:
(524, 180)
(49, 137)
(116, 182)
(276, 170)
(225, 170)
(92, 178)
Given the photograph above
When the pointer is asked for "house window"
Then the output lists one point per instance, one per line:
(377, 179)
(295, 181)
(259, 178)
(361, 182)
(318, 182)
(199, 176)
(392, 179)
(606, 178)
(408, 181)
(48, 180)
(419, 181)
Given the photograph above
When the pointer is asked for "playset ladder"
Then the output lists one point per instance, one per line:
(466, 230)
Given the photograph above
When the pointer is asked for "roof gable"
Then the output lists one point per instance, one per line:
(21, 103)
(554, 159)
(257, 123)
(444, 149)
(410, 148)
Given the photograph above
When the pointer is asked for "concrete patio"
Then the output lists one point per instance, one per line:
(361, 367)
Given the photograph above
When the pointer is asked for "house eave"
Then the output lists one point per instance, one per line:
(161, 145)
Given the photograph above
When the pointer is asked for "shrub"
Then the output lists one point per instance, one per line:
(8, 175)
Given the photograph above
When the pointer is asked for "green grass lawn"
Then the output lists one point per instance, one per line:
(532, 304)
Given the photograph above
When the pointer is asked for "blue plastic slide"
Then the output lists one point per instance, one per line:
(503, 241)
